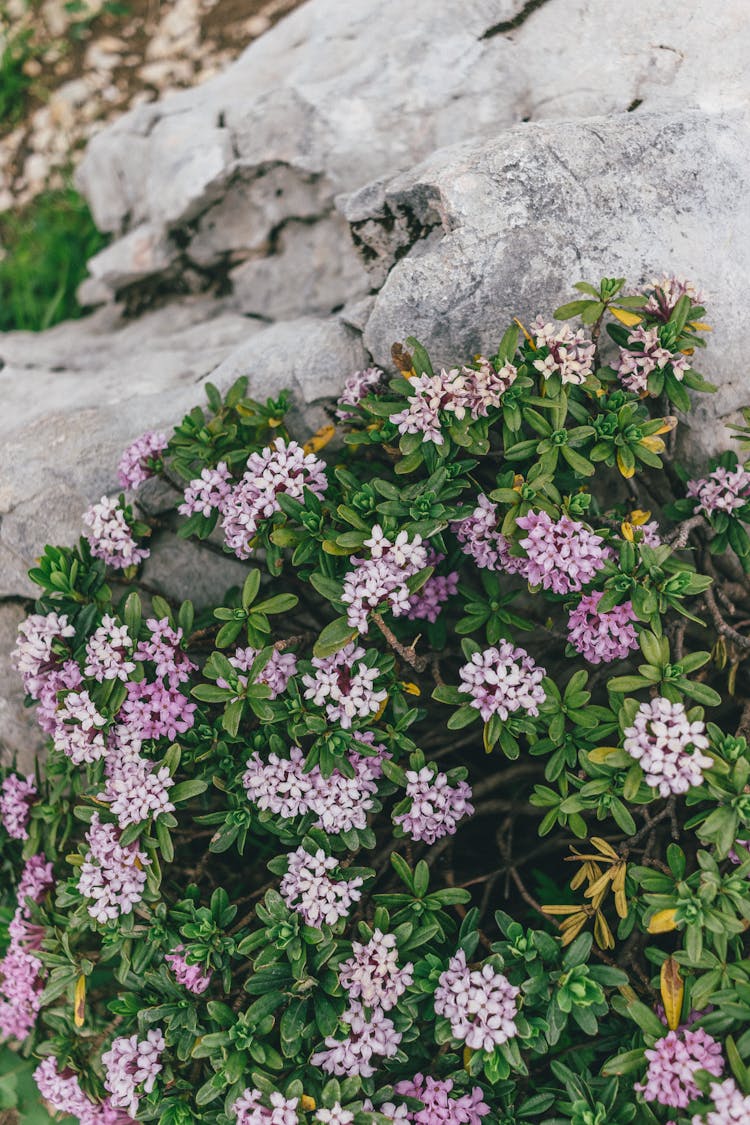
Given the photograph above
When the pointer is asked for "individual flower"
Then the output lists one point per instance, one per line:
(113, 877)
(367, 1038)
(672, 1065)
(78, 730)
(569, 354)
(731, 1106)
(668, 746)
(481, 540)
(17, 795)
(283, 467)
(189, 976)
(502, 680)
(136, 789)
(356, 387)
(723, 490)
(602, 637)
(561, 555)
(664, 293)
(137, 461)
(108, 652)
(34, 656)
(309, 889)
(276, 672)
(480, 1005)
(381, 581)
(250, 1110)
(436, 805)
(439, 1108)
(110, 536)
(131, 1067)
(645, 355)
(372, 974)
(207, 493)
(345, 685)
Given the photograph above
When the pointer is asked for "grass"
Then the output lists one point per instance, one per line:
(43, 260)
(14, 82)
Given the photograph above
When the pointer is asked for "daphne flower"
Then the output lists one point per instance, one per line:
(383, 577)
(112, 876)
(480, 538)
(480, 1005)
(356, 387)
(250, 1110)
(136, 789)
(279, 784)
(62, 1092)
(21, 973)
(280, 468)
(367, 1038)
(672, 1065)
(731, 1106)
(34, 656)
(723, 490)
(108, 650)
(78, 729)
(436, 805)
(309, 889)
(502, 680)
(153, 711)
(602, 637)
(569, 354)
(668, 746)
(110, 536)
(648, 354)
(439, 1108)
(131, 1067)
(275, 673)
(163, 649)
(427, 603)
(372, 974)
(189, 976)
(207, 493)
(562, 555)
(345, 685)
(137, 462)
(16, 798)
(336, 1115)
(665, 292)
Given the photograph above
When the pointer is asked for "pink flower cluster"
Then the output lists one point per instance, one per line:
(79, 729)
(135, 788)
(665, 292)
(309, 889)
(503, 680)
(462, 393)
(602, 637)
(383, 577)
(723, 490)
(570, 354)
(131, 1067)
(480, 539)
(336, 1115)
(189, 976)
(136, 464)
(356, 387)
(276, 673)
(33, 656)
(20, 971)
(668, 746)
(16, 798)
(207, 493)
(672, 1064)
(110, 536)
(436, 805)
(108, 651)
(62, 1091)
(369, 1035)
(372, 974)
(562, 555)
(427, 603)
(250, 1110)
(288, 789)
(283, 467)
(480, 1005)
(636, 363)
(111, 875)
(731, 1106)
(158, 709)
(439, 1108)
(345, 685)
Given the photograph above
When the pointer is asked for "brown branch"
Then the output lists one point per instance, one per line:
(418, 663)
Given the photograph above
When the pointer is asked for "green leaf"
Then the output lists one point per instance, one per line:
(185, 790)
(334, 637)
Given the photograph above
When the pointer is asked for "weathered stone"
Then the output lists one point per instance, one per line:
(20, 737)
(143, 252)
(511, 223)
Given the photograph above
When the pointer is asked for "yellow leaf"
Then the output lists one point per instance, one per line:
(627, 470)
(662, 922)
(331, 547)
(667, 424)
(572, 928)
(700, 326)
(319, 439)
(603, 847)
(79, 1003)
(672, 992)
(638, 517)
(306, 1103)
(566, 909)
(602, 933)
(410, 688)
(600, 754)
(468, 1052)
(380, 709)
(653, 443)
(526, 334)
(627, 531)
(274, 423)
(625, 317)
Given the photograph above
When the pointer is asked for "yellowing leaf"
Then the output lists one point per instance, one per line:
(526, 334)
(319, 439)
(653, 443)
(274, 423)
(626, 470)
(410, 689)
(627, 531)
(663, 922)
(79, 1003)
(467, 1057)
(602, 933)
(604, 847)
(700, 326)
(667, 424)
(380, 709)
(638, 517)
(600, 754)
(625, 317)
(672, 989)
(307, 1103)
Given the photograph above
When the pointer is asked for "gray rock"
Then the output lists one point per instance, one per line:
(143, 252)
(488, 230)
(20, 737)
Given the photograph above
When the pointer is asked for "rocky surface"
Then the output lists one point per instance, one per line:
(364, 172)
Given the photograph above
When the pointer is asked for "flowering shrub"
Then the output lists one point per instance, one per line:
(306, 858)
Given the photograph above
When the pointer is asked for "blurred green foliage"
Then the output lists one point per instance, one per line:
(19, 1099)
